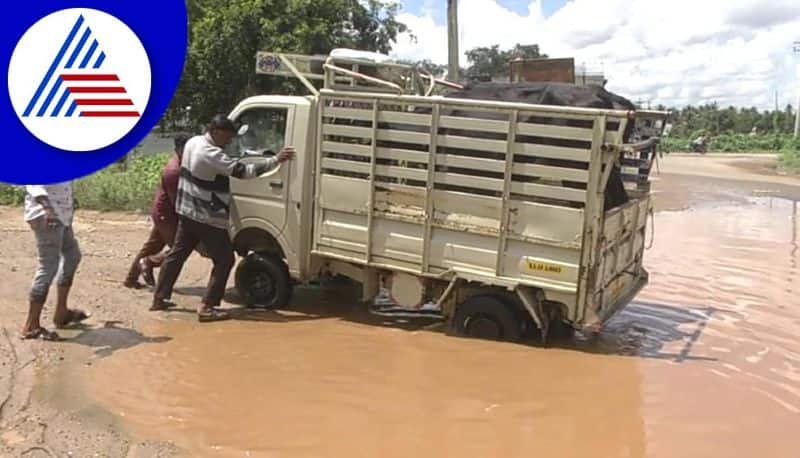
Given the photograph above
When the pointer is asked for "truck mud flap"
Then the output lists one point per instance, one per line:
(625, 299)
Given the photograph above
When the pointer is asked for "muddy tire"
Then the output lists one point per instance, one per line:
(486, 317)
(560, 330)
(263, 281)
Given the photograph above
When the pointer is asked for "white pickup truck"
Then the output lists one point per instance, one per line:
(447, 209)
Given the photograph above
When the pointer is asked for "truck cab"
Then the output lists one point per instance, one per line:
(267, 212)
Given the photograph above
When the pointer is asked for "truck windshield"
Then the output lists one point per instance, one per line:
(266, 132)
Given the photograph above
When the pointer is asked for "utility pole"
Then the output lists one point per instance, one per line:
(796, 49)
(452, 40)
(797, 118)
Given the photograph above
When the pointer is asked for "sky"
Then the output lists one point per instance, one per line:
(732, 52)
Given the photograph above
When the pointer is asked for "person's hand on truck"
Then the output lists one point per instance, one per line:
(285, 154)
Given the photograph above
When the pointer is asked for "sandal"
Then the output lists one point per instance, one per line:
(74, 316)
(133, 285)
(147, 273)
(42, 334)
(160, 305)
(212, 314)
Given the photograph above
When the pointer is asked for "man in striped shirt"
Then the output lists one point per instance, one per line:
(202, 206)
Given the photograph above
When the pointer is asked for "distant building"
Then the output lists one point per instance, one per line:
(554, 70)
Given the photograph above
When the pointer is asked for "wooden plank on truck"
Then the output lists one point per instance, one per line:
(404, 118)
(347, 131)
(480, 125)
(346, 148)
(554, 131)
(552, 152)
(467, 162)
(401, 154)
(556, 173)
(550, 192)
(404, 136)
(469, 181)
(347, 113)
(470, 143)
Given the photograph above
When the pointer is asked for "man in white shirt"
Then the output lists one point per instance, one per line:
(49, 211)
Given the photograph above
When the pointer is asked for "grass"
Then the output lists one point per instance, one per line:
(734, 143)
(117, 187)
(789, 158)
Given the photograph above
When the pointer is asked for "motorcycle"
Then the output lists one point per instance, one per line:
(699, 146)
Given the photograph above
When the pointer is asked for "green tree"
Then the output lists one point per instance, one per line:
(490, 62)
(427, 65)
(225, 36)
(709, 118)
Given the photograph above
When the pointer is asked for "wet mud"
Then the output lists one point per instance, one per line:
(705, 362)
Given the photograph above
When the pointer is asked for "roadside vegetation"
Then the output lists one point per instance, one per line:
(790, 156)
(122, 186)
(733, 143)
(785, 145)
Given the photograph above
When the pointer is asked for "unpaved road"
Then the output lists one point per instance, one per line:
(705, 363)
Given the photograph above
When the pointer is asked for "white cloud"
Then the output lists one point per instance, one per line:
(734, 52)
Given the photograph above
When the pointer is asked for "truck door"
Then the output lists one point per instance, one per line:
(266, 197)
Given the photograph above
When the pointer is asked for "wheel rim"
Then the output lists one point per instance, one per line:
(262, 287)
(483, 327)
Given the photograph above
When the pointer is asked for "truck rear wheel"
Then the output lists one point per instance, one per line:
(486, 317)
(560, 330)
(263, 281)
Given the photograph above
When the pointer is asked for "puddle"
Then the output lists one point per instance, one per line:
(705, 363)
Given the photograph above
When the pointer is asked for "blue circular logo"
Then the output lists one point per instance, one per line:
(86, 84)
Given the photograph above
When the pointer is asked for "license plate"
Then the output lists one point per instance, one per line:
(544, 267)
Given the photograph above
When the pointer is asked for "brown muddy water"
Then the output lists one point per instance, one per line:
(705, 363)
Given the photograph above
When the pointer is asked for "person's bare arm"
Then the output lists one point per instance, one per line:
(228, 166)
(39, 194)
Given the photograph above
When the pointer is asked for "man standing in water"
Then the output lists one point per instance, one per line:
(202, 206)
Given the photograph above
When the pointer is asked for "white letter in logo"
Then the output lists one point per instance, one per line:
(79, 79)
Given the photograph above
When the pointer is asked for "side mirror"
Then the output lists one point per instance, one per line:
(243, 130)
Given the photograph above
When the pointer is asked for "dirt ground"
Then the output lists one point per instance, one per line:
(41, 414)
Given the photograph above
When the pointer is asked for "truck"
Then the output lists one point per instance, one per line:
(488, 214)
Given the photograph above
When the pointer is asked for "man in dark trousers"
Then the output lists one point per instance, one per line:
(202, 207)
(165, 221)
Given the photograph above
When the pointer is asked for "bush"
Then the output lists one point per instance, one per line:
(127, 186)
(122, 187)
(745, 143)
(790, 156)
(733, 143)
(11, 195)
(675, 144)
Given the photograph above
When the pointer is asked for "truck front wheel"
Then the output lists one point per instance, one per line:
(263, 281)
(486, 317)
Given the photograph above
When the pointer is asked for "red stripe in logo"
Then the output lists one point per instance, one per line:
(110, 114)
(97, 90)
(99, 77)
(95, 102)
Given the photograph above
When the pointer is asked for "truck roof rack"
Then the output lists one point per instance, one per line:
(349, 70)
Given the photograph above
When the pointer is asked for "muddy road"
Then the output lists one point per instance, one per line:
(705, 363)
